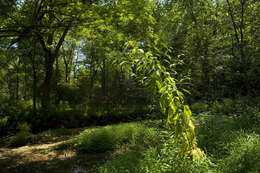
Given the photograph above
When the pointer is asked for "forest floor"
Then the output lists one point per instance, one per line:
(34, 156)
(41, 158)
(231, 144)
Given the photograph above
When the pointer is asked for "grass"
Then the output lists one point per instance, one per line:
(163, 159)
(231, 145)
(243, 154)
(112, 137)
(123, 162)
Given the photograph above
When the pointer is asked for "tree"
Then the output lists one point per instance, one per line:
(242, 16)
(49, 22)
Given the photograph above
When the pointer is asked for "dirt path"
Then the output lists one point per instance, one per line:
(41, 158)
(35, 158)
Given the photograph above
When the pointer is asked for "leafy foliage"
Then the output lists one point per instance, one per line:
(153, 74)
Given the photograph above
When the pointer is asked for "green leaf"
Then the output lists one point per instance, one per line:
(122, 63)
(186, 91)
(187, 111)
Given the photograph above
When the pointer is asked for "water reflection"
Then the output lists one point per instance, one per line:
(78, 169)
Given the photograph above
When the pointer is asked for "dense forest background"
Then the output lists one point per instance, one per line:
(78, 63)
(64, 56)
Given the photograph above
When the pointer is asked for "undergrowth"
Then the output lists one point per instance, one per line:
(231, 145)
(111, 137)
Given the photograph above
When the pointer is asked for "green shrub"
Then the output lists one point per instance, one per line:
(199, 107)
(15, 112)
(3, 122)
(111, 137)
(242, 105)
(20, 139)
(98, 140)
(216, 107)
(23, 127)
(3, 125)
(226, 106)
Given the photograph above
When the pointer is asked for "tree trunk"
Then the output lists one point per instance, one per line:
(17, 82)
(104, 78)
(50, 55)
(34, 84)
(49, 61)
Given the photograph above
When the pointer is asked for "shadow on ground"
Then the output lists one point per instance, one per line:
(40, 157)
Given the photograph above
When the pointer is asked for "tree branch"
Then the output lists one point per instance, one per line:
(61, 40)
(233, 21)
(42, 42)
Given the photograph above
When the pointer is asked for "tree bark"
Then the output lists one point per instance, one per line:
(49, 61)
(17, 80)
(50, 56)
(34, 82)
